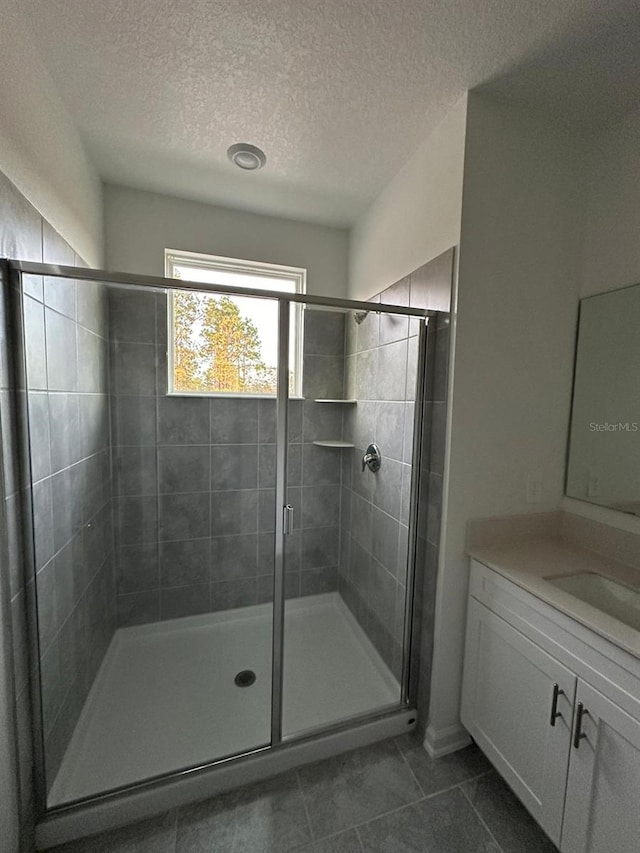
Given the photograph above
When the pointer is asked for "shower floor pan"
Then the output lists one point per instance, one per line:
(165, 697)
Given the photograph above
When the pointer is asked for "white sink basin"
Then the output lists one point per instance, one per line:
(616, 599)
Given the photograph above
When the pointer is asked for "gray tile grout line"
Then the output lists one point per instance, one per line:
(304, 804)
(404, 758)
(359, 837)
(480, 818)
(175, 831)
(421, 799)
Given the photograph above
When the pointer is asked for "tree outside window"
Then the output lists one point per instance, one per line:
(228, 343)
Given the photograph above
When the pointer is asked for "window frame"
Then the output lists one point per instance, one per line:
(200, 260)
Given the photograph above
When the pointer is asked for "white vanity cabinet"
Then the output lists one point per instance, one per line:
(602, 810)
(534, 700)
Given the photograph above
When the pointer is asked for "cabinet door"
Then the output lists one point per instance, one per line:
(602, 813)
(508, 692)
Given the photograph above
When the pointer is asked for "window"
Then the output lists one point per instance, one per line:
(226, 344)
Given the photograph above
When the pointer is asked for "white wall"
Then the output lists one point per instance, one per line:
(40, 150)
(512, 369)
(611, 243)
(416, 217)
(140, 225)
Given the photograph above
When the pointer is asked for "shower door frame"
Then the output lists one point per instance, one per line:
(51, 817)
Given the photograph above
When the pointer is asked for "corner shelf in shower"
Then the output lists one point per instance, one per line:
(336, 443)
(329, 400)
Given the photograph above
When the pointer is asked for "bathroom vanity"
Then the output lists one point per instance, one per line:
(551, 689)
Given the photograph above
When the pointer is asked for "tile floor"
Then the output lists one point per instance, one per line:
(386, 798)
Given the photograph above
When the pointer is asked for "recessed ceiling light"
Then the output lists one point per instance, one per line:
(246, 156)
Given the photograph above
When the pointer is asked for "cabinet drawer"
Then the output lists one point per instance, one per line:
(591, 657)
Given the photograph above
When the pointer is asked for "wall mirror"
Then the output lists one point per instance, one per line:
(603, 459)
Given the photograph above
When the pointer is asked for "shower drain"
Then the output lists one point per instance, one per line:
(245, 678)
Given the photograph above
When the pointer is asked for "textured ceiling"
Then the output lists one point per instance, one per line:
(338, 93)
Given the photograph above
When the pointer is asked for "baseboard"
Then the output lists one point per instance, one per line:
(441, 742)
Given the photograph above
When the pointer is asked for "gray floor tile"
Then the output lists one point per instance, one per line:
(445, 823)
(344, 842)
(156, 835)
(438, 774)
(261, 818)
(349, 789)
(510, 823)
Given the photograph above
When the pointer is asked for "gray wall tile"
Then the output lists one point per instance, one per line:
(321, 466)
(392, 371)
(132, 315)
(137, 568)
(385, 538)
(91, 307)
(323, 376)
(135, 470)
(133, 369)
(321, 506)
(234, 557)
(40, 435)
(93, 356)
(234, 466)
(65, 430)
(60, 294)
(36, 356)
(227, 595)
(137, 520)
(320, 546)
(183, 420)
(393, 327)
(183, 516)
(235, 421)
(62, 372)
(323, 332)
(234, 512)
(134, 420)
(184, 601)
(185, 563)
(138, 608)
(183, 468)
(317, 581)
(389, 429)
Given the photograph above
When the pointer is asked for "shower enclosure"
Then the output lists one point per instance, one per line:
(217, 577)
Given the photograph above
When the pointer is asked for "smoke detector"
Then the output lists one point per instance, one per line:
(246, 156)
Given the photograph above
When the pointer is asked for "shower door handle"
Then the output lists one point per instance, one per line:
(287, 520)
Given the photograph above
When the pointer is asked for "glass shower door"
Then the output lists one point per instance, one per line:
(151, 528)
(346, 555)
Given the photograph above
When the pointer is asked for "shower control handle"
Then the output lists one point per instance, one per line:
(372, 458)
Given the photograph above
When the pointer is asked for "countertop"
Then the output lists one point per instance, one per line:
(527, 562)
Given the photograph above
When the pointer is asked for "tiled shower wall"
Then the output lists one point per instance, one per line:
(66, 340)
(195, 476)
(381, 374)
(380, 370)
(25, 235)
